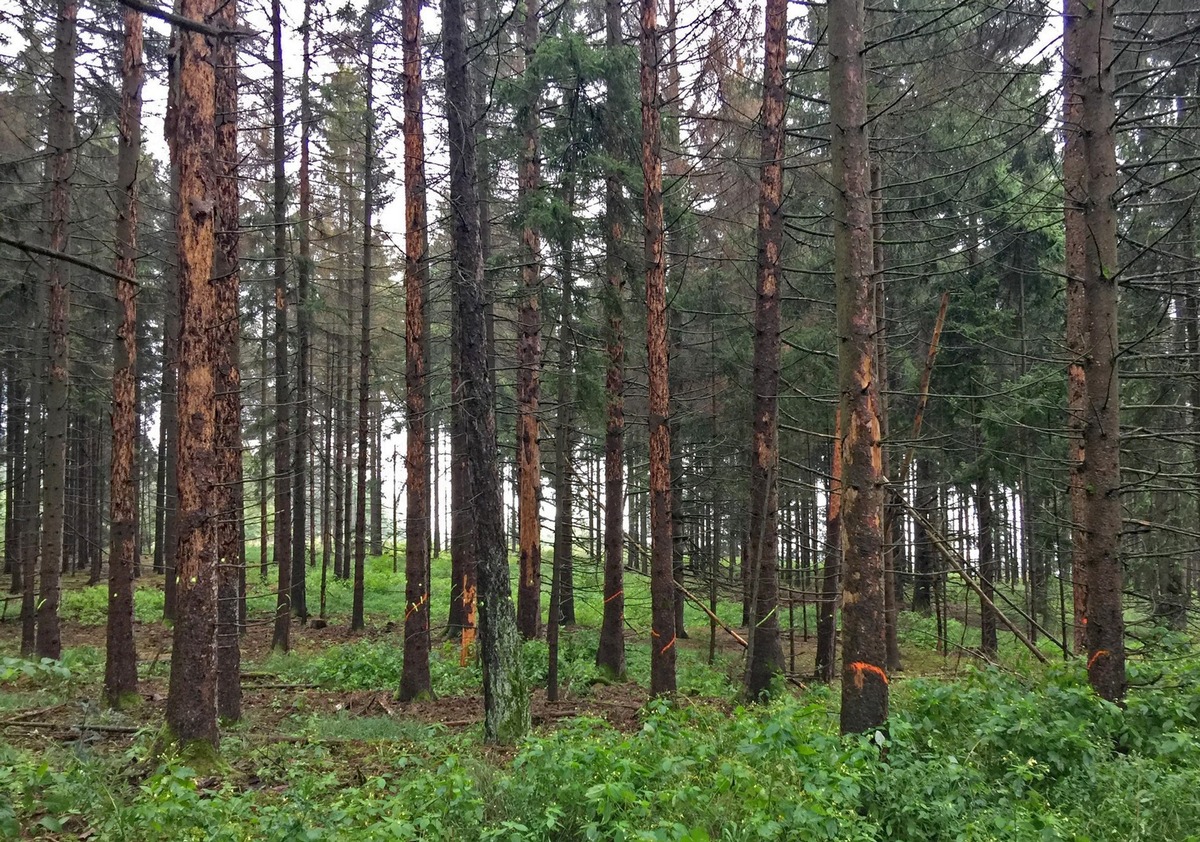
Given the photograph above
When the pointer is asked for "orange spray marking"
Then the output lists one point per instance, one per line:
(468, 632)
(861, 667)
(614, 596)
(1099, 654)
(670, 643)
(415, 606)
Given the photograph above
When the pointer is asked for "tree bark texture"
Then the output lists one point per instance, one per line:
(414, 679)
(506, 699)
(191, 697)
(120, 664)
(864, 676)
(303, 435)
(765, 654)
(1074, 202)
(662, 584)
(831, 575)
(358, 619)
(282, 539)
(61, 143)
(529, 347)
(1100, 471)
(610, 654)
(227, 334)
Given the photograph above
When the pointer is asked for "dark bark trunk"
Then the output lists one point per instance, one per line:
(61, 143)
(988, 569)
(357, 618)
(831, 576)
(610, 654)
(506, 700)
(529, 352)
(764, 658)
(924, 557)
(281, 636)
(304, 270)
(16, 415)
(226, 334)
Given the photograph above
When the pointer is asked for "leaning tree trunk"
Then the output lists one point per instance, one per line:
(61, 142)
(864, 678)
(506, 700)
(764, 653)
(120, 663)
(191, 697)
(414, 679)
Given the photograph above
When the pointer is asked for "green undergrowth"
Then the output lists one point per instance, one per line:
(377, 664)
(990, 755)
(88, 605)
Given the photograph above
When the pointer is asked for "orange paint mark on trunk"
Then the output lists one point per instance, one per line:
(859, 668)
(468, 632)
(1099, 653)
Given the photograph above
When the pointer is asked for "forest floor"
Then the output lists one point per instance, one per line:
(324, 750)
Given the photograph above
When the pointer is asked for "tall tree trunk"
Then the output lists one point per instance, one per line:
(529, 350)
(662, 584)
(463, 562)
(610, 654)
(864, 678)
(304, 271)
(764, 658)
(281, 637)
(169, 410)
(16, 415)
(564, 534)
(414, 679)
(357, 617)
(891, 512)
(61, 143)
(376, 485)
(831, 576)
(924, 558)
(191, 697)
(1101, 468)
(227, 334)
(988, 568)
(506, 700)
(1074, 200)
(265, 450)
(120, 663)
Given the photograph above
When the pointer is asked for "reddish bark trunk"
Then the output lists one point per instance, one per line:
(414, 679)
(120, 665)
(191, 697)
(864, 676)
(662, 584)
